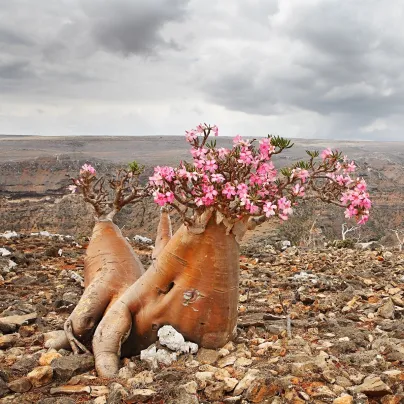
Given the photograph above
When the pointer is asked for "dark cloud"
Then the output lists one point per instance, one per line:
(133, 27)
(312, 68)
(15, 71)
(328, 57)
(10, 37)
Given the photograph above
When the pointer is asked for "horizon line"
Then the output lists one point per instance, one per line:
(180, 136)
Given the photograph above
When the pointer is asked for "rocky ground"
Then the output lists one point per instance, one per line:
(345, 343)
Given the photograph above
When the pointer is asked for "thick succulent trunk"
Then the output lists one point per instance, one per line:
(191, 285)
(110, 267)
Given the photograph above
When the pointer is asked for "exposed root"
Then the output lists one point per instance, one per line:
(109, 336)
(76, 345)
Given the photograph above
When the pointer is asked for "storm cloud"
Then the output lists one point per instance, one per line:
(133, 27)
(312, 68)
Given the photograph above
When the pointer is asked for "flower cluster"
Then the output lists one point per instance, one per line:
(242, 180)
(357, 201)
(354, 195)
(122, 189)
(87, 171)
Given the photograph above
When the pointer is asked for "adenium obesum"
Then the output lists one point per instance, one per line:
(87, 174)
(109, 195)
(193, 280)
(243, 181)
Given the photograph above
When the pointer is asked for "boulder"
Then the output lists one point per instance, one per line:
(20, 385)
(66, 367)
(40, 376)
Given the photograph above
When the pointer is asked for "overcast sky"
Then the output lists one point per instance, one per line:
(297, 68)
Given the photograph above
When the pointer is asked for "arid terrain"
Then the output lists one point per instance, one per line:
(34, 175)
(346, 344)
(345, 306)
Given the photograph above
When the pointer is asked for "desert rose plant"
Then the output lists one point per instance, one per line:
(110, 265)
(192, 283)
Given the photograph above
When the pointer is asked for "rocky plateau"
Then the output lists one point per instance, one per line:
(316, 325)
(323, 325)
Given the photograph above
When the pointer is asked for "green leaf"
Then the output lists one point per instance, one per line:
(304, 165)
(281, 142)
(313, 153)
(135, 167)
(211, 144)
(287, 172)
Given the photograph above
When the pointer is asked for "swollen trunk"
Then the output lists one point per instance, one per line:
(191, 285)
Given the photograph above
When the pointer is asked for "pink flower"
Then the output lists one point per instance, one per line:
(356, 198)
(210, 191)
(189, 175)
(351, 211)
(169, 197)
(343, 181)
(167, 173)
(325, 154)
(266, 148)
(346, 197)
(246, 156)
(210, 165)
(223, 152)
(286, 207)
(159, 198)
(364, 218)
(284, 203)
(266, 172)
(162, 173)
(366, 202)
(208, 201)
(156, 179)
(301, 174)
(191, 135)
(361, 185)
(263, 193)
(256, 179)
(217, 178)
(237, 140)
(72, 188)
(87, 168)
(253, 209)
(269, 209)
(198, 201)
(252, 176)
(298, 190)
(182, 172)
(245, 201)
(209, 196)
(199, 163)
(229, 191)
(242, 190)
(351, 167)
(199, 153)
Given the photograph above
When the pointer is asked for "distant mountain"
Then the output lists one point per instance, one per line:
(34, 174)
